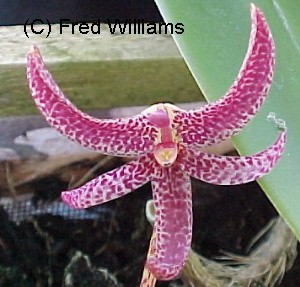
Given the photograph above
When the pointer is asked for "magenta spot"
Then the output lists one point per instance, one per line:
(66, 198)
(159, 119)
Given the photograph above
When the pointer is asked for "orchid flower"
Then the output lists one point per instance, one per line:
(167, 142)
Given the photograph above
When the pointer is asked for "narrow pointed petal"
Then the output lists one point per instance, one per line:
(112, 184)
(231, 170)
(129, 136)
(224, 118)
(173, 222)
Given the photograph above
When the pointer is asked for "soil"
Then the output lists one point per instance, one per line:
(48, 250)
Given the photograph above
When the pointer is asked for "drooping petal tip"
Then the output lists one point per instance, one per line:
(163, 272)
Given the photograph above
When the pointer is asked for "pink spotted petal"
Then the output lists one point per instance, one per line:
(230, 170)
(112, 184)
(129, 136)
(224, 118)
(173, 222)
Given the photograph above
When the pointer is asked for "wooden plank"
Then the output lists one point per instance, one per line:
(76, 47)
(96, 71)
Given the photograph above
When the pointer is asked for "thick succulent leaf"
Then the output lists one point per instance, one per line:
(172, 194)
(129, 136)
(112, 184)
(214, 43)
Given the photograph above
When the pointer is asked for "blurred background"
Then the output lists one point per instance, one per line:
(17, 12)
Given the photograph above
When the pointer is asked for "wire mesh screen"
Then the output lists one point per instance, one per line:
(23, 209)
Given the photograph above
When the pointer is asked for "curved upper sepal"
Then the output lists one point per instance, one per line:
(224, 118)
(127, 136)
(231, 170)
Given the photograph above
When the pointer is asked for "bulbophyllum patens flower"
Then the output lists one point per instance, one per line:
(167, 142)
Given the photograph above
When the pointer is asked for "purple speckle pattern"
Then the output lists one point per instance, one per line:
(122, 137)
(222, 119)
(166, 141)
(232, 170)
(113, 184)
(173, 221)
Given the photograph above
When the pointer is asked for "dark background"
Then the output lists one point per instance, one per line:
(16, 12)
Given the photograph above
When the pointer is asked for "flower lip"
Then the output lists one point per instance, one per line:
(166, 153)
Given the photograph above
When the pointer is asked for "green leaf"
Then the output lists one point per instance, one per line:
(214, 43)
